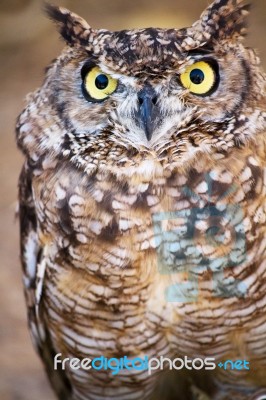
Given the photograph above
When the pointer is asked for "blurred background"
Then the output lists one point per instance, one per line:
(28, 42)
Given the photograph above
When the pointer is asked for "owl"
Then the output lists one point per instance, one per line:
(143, 211)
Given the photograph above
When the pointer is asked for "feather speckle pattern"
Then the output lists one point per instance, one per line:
(142, 207)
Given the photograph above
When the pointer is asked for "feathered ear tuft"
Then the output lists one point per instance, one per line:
(74, 29)
(224, 19)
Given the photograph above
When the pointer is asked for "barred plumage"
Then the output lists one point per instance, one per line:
(143, 210)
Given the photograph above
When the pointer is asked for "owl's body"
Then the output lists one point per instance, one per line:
(143, 212)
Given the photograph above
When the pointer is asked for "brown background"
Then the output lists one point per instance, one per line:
(28, 41)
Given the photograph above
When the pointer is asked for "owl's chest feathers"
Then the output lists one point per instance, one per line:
(145, 244)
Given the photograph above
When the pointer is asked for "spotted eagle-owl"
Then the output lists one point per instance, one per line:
(142, 208)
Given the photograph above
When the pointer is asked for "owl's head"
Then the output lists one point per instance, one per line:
(169, 93)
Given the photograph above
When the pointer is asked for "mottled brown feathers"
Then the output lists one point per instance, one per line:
(222, 20)
(74, 29)
(142, 207)
(225, 19)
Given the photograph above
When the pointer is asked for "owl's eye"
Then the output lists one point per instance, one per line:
(200, 78)
(97, 85)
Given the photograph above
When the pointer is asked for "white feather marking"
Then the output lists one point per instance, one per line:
(81, 238)
(38, 291)
(96, 227)
(39, 281)
(30, 254)
(60, 193)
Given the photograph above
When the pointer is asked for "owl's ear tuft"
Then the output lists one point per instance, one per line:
(74, 29)
(224, 19)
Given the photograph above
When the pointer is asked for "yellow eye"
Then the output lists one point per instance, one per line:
(199, 78)
(98, 85)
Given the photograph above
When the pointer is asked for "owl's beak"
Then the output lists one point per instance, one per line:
(147, 98)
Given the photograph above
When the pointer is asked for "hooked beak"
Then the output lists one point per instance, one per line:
(148, 110)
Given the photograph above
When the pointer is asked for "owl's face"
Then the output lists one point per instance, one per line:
(148, 103)
(167, 94)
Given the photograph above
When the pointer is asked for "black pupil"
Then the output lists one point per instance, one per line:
(197, 76)
(101, 81)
